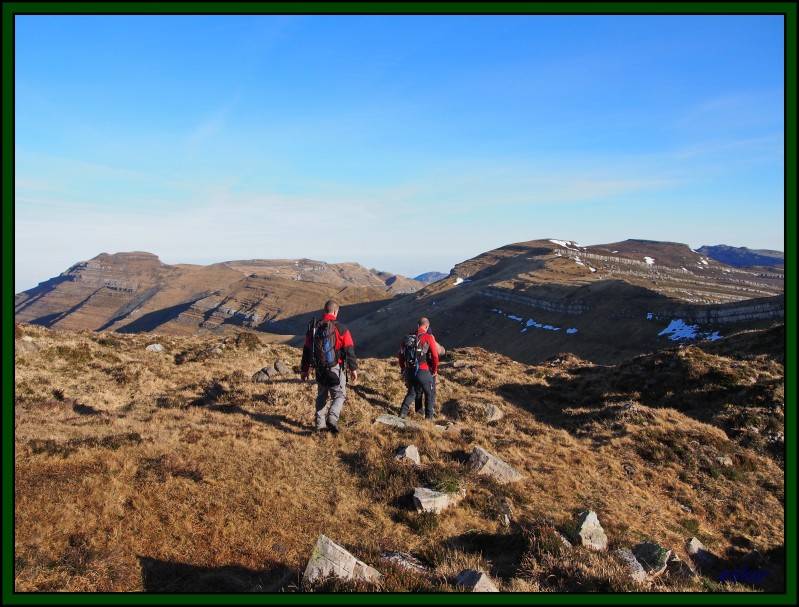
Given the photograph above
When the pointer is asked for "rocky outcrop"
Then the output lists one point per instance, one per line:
(330, 559)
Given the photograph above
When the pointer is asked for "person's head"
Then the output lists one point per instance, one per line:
(423, 323)
(331, 307)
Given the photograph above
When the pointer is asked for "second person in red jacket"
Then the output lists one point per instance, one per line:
(421, 377)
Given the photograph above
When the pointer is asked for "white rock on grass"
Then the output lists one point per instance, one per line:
(493, 413)
(409, 454)
(475, 581)
(429, 500)
(155, 348)
(484, 463)
(589, 532)
(636, 570)
(330, 559)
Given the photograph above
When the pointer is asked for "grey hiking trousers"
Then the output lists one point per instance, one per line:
(328, 412)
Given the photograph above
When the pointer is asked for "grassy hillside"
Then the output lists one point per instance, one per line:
(134, 472)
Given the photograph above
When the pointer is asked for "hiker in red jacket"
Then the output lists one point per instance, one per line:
(329, 348)
(418, 359)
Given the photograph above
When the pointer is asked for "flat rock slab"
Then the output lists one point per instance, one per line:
(635, 569)
(475, 581)
(409, 454)
(590, 533)
(484, 463)
(398, 422)
(429, 500)
(330, 559)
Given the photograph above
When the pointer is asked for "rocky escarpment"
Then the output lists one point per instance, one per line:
(134, 292)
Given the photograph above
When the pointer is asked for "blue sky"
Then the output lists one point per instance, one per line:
(403, 143)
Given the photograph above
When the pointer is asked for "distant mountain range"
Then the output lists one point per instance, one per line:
(429, 277)
(132, 292)
(530, 300)
(742, 257)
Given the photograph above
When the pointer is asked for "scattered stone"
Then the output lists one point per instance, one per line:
(393, 420)
(155, 348)
(724, 460)
(475, 581)
(282, 368)
(27, 338)
(406, 561)
(428, 500)
(484, 463)
(260, 377)
(409, 454)
(678, 568)
(653, 557)
(398, 422)
(328, 558)
(636, 570)
(493, 413)
(217, 351)
(461, 364)
(700, 555)
(589, 532)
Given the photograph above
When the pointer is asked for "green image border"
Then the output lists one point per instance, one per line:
(10, 9)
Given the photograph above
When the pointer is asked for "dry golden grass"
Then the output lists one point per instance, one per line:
(137, 473)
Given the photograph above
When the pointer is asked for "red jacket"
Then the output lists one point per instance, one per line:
(431, 360)
(345, 346)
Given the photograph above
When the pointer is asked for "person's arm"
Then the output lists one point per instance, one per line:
(305, 365)
(433, 355)
(348, 345)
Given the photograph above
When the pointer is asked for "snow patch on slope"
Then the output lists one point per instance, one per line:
(679, 330)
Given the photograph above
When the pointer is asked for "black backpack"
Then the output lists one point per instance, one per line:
(414, 352)
(323, 344)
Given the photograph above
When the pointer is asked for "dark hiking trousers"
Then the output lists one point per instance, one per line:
(422, 384)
